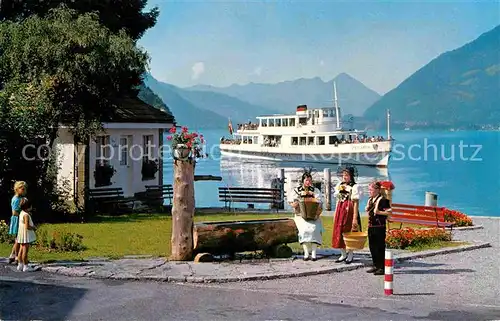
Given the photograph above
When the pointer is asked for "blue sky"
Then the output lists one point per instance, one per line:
(380, 43)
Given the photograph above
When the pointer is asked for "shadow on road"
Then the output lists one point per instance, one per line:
(19, 296)
(435, 271)
(414, 294)
(407, 264)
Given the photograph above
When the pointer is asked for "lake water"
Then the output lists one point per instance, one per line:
(462, 168)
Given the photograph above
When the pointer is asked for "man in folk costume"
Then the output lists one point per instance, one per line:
(310, 230)
(378, 208)
(347, 217)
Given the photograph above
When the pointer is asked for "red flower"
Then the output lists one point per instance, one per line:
(169, 137)
(172, 130)
(387, 185)
(184, 129)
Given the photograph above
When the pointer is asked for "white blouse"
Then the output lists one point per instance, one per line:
(355, 191)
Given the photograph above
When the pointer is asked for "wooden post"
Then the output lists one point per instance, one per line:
(282, 187)
(328, 193)
(183, 211)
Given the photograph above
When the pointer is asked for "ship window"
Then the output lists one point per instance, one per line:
(271, 122)
(302, 120)
(256, 139)
(321, 140)
(285, 122)
(325, 113)
(332, 140)
(302, 141)
(278, 122)
(295, 140)
(245, 139)
(316, 113)
(310, 140)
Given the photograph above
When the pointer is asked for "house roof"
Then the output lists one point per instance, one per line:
(134, 110)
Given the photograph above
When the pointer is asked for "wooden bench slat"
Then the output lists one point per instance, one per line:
(420, 222)
(248, 189)
(244, 200)
(250, 195)
(419, 215)
(165, 188)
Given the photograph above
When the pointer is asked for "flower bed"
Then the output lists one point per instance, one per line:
(4, 233)
(408, 237)
(459, 218)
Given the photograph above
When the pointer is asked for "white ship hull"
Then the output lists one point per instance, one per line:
(368, 154)
(310, 136)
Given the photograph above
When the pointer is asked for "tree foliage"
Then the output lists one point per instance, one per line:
(62, 67)
(116, 15)
(80, 67)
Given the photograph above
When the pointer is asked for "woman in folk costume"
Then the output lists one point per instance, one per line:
(347, 217)
(310, 231)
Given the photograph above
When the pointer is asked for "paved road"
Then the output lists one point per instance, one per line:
(39, 296)
(463, 286)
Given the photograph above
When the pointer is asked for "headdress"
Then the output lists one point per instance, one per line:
(348, 168)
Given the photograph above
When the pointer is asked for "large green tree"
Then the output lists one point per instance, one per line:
(129, 15)
(63, 67)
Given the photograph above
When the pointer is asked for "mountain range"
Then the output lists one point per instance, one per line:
(212, 107)
(458, 88)
(353, 96)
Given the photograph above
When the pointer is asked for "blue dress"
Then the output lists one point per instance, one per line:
(15, 204)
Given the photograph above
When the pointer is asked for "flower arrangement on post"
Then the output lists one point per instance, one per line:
(185, 145)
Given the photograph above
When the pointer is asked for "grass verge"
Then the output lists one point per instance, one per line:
(143, 234)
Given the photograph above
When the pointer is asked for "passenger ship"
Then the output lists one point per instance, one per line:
(310, 135)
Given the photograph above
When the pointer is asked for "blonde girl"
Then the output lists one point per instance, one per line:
(20, 189)
(26, 235)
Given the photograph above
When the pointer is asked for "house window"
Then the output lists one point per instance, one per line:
(123, 151)
(103, 148)
(147, 146)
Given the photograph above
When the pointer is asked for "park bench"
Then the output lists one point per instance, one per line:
(104, 200)
(230, 195)
(419, 215)
(155, 194)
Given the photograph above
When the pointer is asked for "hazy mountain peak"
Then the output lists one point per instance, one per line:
(459, 87)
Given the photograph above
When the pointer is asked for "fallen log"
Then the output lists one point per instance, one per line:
(239, 236)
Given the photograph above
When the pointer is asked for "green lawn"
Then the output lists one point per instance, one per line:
(139, 234)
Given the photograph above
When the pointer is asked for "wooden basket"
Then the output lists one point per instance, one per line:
(355, 240)
(309, 208)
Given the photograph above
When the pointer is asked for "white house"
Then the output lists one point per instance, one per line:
(130, 142)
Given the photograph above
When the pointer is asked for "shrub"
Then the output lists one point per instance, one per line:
(4, 233)
(64, 242)
(401, 239)
(460, 219)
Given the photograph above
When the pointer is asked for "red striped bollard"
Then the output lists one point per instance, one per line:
(389, 272)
